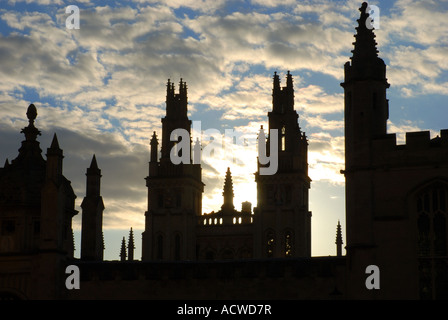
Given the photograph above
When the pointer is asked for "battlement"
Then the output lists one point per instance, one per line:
(214, 219)
(419, 147)
(251, 279)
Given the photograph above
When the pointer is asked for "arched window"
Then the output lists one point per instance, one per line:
(270, 244)
(431, 221)
(431, 204)
(283, 136)
(288, 244)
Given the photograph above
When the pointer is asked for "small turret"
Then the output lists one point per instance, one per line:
(228, 192)
(54, 161)
(131, 246)
(92, 246)
(154, 147)
(93, 179)
(339, 241)
(123, 250)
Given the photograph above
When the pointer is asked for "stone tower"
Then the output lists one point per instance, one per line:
(174, 188)
(92, 215)
(37, 204)
(282, 219)
(396, 195)
(366, 114)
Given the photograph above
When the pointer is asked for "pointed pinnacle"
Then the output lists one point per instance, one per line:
(93, 164)
(54, 142)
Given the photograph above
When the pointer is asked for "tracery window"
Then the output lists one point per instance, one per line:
(288, 244)
(270, 244)
(283, 138)
(432, 241)
(431, 221)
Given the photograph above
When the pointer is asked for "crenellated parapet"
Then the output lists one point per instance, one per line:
(418, 149)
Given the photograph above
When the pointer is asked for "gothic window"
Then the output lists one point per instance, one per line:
(288, 244)
(431, 221)
(283, 138)
(423, 234)
(270, 244)
(439, 234)
(431, 207)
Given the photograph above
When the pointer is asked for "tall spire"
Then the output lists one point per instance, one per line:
(131, 246)
(339, 241)
(228, 192)
(123, 250)
(154, 144)
(365, 62)
(92, 241)
(365, 44)
(54, 160)
(93, 178)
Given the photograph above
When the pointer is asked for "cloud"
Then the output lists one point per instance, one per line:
(315, 100)
(415, 39)
(326, 158)
(102, 88)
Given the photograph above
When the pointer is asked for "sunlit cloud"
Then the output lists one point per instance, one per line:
(102, 88)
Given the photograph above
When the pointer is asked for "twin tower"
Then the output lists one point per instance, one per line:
(280, 225)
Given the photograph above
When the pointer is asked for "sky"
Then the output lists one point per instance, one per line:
(101, 88)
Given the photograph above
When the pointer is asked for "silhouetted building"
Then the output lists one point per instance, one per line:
(174, 190)
(37, 204)
(282, 218)
(92, 246)
(396, 195)
(396, 213)
(176, 228)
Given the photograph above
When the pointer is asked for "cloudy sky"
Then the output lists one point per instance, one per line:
(101, 87)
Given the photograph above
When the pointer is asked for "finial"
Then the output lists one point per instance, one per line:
(54, 142)
(339, 241)
(31, 113)
(228, 191)
(31, 132)
(93, 164)
(363, 7)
